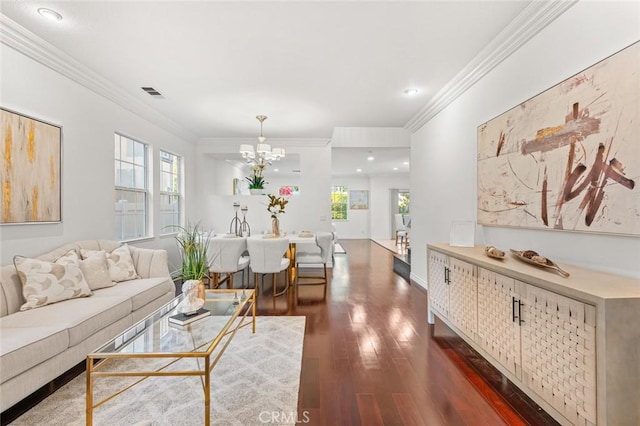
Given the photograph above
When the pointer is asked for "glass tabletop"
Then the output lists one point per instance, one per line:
(156, 334)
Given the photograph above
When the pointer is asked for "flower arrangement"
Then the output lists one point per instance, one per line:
(276, 205)
(256, 180)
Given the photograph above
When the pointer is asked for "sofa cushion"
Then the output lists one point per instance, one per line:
(96, 270)
(45, 282)
(82, 317)
(120, 263)
(25, 347)
(141, 291)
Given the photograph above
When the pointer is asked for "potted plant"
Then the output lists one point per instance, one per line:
(256, 181)
(193, 245)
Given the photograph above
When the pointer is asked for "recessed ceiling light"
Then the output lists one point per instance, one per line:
(395, 168)
(406, 163)
(50, 14)
(411, 92)
(276, 170)
(370, 158)
(359, 170)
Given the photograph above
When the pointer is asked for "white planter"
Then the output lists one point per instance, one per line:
(256, 191)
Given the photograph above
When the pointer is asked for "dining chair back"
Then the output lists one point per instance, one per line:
(401, 230)
(225, 257)
(324, 242)
(267, 257)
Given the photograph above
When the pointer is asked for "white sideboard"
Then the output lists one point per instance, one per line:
(571, 344)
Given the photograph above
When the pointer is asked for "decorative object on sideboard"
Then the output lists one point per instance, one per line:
(567, 158)
(462, 233)
(533, 258)
(239, 228)
(493, 252)
(30, 164)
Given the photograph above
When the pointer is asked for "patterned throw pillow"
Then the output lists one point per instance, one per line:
(120, 263)
(44, 282)
(96, 271)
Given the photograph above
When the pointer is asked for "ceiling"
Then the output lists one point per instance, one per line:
(308, 65)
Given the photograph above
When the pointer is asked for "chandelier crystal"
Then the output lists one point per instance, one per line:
(263, 154)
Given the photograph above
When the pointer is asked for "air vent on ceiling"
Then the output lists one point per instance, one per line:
(296, 170)
(151, 91)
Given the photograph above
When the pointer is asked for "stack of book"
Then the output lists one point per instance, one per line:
(184, 319)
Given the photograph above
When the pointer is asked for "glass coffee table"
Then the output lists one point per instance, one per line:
(172, 350)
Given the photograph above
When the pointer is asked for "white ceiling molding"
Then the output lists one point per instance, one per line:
(222, 145)
(31, 45)
(536, 16)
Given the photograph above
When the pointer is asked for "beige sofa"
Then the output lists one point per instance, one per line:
(38, 345)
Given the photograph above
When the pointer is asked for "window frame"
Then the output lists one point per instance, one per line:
(177, 193)
(343, 190)
(118, 161)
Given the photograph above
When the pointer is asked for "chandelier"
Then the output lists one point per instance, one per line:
(263, 153)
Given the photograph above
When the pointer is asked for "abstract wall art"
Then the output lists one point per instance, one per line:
(358, 200)
(30, 170)
(568, 158)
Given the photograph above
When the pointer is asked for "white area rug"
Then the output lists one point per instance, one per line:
(338, 249)
(258, 374)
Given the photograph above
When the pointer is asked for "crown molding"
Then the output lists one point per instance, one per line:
(222, 144)
(29, 44)
(536, 16)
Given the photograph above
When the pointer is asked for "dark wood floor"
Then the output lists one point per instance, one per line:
(370, 358)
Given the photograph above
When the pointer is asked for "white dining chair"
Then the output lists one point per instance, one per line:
(267, 257)
(225, 257)
(401, 230)
(320, 256)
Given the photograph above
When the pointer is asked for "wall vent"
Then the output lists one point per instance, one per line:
(151, 91)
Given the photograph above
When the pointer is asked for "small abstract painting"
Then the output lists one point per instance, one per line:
(30, 170)
(569, 158)
(358, 200)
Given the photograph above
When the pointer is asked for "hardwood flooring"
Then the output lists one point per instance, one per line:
(370, 358)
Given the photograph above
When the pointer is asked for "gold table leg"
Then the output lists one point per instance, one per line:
(89, 407)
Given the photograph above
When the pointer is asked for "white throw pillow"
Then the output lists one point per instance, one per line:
(44, 282)
(119, 262)
(96, 270)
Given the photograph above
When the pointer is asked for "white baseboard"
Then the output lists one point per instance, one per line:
(415, 278)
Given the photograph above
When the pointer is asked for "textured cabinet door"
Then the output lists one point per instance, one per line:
(438, 288)
(463, 296)
(498, 322)
(559, 352)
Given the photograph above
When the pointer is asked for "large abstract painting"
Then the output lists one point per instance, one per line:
(569, 158)
(30, 170)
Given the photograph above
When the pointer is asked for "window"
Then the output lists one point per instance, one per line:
(131, 188)
(339, 202)
(169, 191)
(404, 201)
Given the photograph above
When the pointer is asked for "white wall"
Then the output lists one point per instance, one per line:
(376, 221)
(88, 123)
(358, 222)
(310, 210)
(381, 220)
(443, 151)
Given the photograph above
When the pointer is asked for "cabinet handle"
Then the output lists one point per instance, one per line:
(520, 320)
(513, 309)
(446, 275)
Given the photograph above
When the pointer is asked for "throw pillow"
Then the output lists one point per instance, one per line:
(119, 262)
(44, 282)
(96, 271)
